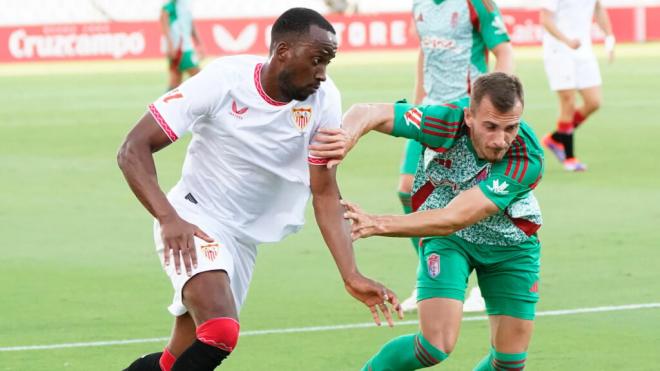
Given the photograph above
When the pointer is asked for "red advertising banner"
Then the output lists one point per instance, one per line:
(117, 40)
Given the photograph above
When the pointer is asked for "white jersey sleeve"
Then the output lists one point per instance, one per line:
(331, 115)
(177, 111)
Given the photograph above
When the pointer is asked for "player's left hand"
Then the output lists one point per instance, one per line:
(331, 143)
(375, 296)
(363, 225)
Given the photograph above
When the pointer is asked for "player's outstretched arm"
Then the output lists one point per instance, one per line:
(466, 209)
(135, 159)
(504, 58)
(336, 233)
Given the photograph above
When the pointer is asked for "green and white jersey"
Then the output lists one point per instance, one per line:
(455, 36)
(450, 166)
(181, 23)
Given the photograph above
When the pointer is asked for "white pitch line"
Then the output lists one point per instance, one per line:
(547, 313)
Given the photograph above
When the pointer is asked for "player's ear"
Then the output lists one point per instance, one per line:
(467, 113)
(282, 51)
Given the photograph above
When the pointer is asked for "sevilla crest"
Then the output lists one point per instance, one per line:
(433, 264)
(301, 117)
(210, 250)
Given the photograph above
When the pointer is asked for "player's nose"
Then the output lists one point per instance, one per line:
(319, 74)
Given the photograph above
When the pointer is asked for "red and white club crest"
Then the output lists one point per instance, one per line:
(433, 264)
(210, 250)
(301, 117)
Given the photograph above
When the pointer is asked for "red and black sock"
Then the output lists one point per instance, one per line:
(564, 135)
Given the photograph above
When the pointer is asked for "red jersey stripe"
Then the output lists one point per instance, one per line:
(444, 135)
(419, 197)
(451, 130)
(317, 160)
(525, 163)
(441, 121)
(162, 123)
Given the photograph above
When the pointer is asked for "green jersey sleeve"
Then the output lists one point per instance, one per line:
(435, 126)
(517, 173)
(491, 25)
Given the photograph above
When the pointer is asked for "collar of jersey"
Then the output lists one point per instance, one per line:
(260, 88)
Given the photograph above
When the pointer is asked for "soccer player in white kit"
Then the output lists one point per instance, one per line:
(246, 180)
(571, 66)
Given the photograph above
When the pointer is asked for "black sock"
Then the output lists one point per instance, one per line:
(148, 362)
(566, 140)
(200, 357)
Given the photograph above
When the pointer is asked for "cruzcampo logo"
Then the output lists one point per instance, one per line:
(498, 188)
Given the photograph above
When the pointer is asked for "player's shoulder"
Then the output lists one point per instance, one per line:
(523, 161)
(528, 136)
(233, 69)
(484, 5)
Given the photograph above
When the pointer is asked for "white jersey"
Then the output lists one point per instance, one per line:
(574, 19)
(247, 162)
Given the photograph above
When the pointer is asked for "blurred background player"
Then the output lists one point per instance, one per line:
(183, 46)
(455, 37)
(571, 65)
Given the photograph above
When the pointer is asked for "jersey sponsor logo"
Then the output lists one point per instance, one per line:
(499, 26)
(498, 188)
(210, 250)
(237, 112)
(301, 117)
(413, 117)
(433, 265)
(174, 94)
(434, 42)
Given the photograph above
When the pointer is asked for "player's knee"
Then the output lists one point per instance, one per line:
(592, 106)
(221, 333)
(443, 341)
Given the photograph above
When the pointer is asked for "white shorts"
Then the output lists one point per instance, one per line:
(227, 253)
(567, 71)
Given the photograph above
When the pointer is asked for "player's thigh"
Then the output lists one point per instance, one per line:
(440, 321)
(510, 334)
(509, 279)
(443, 269)
(411, 155)
(208, 295)
(560, 68)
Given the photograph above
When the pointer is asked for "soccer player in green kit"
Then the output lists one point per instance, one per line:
(184, 47)
(455, 38)
(474, 210)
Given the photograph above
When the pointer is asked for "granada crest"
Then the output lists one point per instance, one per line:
(301, 117)
(433, 265)
(210, 250)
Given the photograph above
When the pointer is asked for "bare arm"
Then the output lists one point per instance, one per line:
(135, 159)
(361, 118)
(603, 21)
(336, 233)
(503, 58)
(550, 26)
(466, 209)
(419, 92)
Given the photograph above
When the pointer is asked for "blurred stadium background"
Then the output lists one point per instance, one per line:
(80, 285)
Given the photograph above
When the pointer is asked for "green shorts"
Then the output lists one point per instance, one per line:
(411, 157)
(508, 275)
(184, 61)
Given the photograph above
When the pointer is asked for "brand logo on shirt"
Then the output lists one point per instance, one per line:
(498, 188)
(210, 250)
(236, 112)
(174, 94)
(535, 287)
(433, 265)
(301, 117)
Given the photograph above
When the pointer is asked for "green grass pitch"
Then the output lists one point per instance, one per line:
(77, 262)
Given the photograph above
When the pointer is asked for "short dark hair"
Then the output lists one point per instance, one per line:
(504, 91)
(296, 22)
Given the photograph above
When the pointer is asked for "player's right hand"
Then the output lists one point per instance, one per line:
(178, 242)
(375, 296)
(573, 43)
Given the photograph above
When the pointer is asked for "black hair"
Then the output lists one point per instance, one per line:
(504, 91)
(296, 22)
